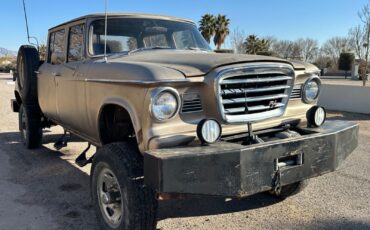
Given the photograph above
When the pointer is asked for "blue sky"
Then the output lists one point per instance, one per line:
(284, 19)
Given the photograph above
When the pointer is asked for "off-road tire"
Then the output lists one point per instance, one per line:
(138, 201)
(290, 190)
(28, 62)
(30, 126)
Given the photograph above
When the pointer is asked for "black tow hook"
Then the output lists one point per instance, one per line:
(276, 183)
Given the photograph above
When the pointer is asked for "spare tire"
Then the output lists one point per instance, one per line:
(27, 63)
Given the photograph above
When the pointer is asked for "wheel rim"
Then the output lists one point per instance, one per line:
(24, 124)
(21, 72)
(109, 197)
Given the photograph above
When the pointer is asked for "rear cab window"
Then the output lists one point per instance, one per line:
(76, 43)
(57, 47)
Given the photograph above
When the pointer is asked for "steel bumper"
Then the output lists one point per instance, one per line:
(227, 169)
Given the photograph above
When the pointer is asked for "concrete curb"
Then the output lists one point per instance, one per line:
(347, 98)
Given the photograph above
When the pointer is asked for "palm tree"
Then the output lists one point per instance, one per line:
(207, 26)
(254, 45)
(251, 44)
(264, 46)
(221, 30)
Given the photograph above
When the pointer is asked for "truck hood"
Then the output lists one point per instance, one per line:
(192, 64)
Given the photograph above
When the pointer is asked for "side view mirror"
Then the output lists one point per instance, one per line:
(57, 57)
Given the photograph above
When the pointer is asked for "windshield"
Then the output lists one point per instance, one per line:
(135, 34)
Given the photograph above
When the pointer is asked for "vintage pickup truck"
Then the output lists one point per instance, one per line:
(170, 117)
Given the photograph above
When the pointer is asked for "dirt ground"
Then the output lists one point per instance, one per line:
(44, 189)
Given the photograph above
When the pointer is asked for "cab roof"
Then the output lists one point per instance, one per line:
(126, 15)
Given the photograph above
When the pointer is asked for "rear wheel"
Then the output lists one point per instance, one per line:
(121, 199)
(30, 126)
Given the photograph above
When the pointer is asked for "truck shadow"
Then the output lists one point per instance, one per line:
(206, 205)
(50, 182)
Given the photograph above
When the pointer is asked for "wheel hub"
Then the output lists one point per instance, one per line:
(109, 197)
(105, 198)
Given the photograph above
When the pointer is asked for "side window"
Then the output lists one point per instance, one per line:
(57, 47)
(75, 49)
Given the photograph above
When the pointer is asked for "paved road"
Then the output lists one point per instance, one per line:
(43, 189)
(333, 80)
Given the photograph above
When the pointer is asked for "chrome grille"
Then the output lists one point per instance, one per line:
(296, 92)
(255, 92)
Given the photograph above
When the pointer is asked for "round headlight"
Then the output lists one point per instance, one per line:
(311, 89)
(165, 104)
(209, 131)
(316, 116)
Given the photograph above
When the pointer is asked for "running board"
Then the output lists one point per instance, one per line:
(81, 160)
(63, 141)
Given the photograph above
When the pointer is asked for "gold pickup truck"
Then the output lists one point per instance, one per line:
(170, 117)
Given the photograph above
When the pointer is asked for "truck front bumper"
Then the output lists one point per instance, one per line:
(227, 169)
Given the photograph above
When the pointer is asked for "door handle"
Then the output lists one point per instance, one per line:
(55, 74)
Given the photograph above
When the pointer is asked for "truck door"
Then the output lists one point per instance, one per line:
(49, 71)
(70, 84)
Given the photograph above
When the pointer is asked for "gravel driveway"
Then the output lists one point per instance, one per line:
(44, 189)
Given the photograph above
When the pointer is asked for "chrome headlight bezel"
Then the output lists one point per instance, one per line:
(156, 95)
(313, 78)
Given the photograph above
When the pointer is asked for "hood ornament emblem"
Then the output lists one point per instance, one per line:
(273, 104)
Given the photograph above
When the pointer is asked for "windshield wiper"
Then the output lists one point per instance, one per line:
(149, 48)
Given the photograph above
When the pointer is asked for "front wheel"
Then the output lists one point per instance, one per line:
(30, 126)
(120, 198)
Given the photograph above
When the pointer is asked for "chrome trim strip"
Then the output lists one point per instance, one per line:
(137, 82)
(252, 108)
(257, 80)
(262, 89)
(253, 99)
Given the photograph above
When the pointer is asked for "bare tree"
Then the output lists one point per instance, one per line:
(333, 47)
(296, 52)
(364, 15)
(282, 48)
(237, 38)
(307, 48)
(357, 38)
(322, 61)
